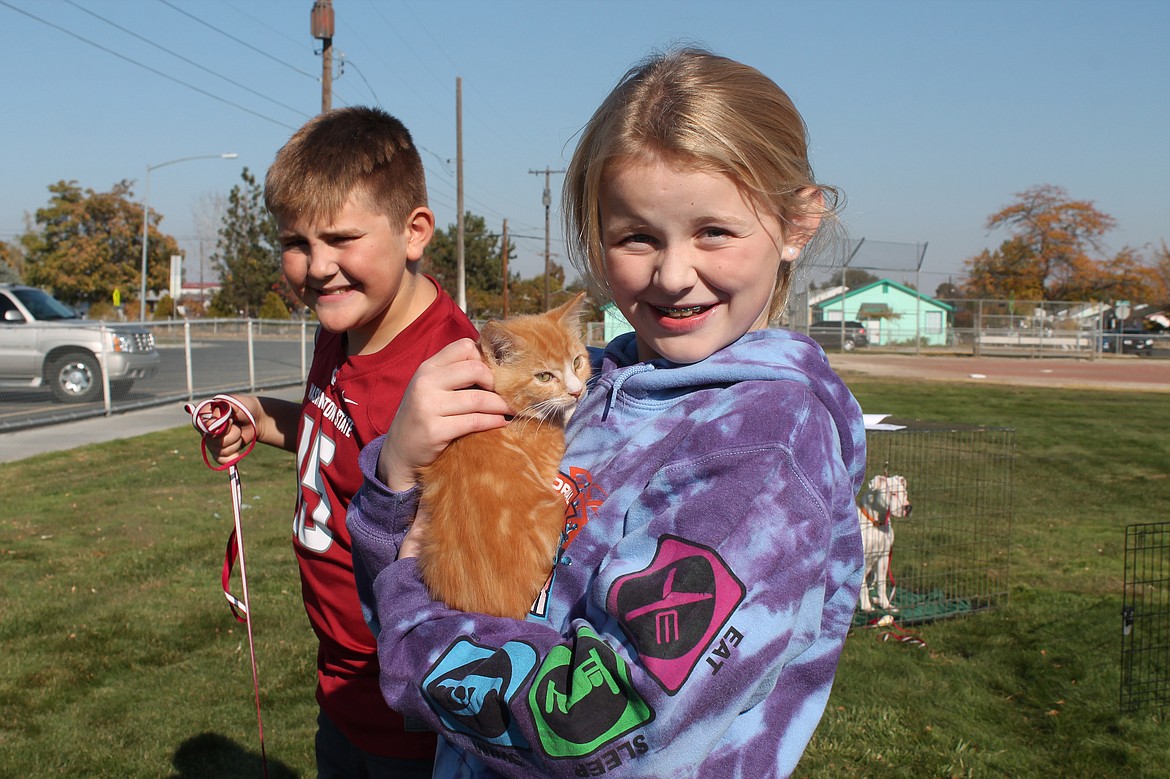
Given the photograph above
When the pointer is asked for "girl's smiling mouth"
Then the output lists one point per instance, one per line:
(681, 312)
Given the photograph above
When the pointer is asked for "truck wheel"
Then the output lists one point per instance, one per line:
(75, 378)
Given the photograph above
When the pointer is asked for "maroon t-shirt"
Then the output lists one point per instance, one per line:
(350, 401)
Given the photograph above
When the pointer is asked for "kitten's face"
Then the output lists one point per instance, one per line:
(539, 362)
(544, 387)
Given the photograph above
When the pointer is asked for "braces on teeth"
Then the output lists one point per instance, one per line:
(679, 313)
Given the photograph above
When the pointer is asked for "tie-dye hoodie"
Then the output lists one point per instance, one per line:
(706, 579)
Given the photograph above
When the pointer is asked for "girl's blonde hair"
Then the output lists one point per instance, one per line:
(711, 112)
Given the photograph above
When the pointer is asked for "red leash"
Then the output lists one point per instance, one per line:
(212, 418)
(892, 630)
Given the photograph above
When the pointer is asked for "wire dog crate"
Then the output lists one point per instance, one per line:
(949, 557)
(1145, 617)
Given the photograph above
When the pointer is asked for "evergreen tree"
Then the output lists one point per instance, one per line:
(274, 307)
(248, 253)
(854, 278)
(482, 266)
(165, 308)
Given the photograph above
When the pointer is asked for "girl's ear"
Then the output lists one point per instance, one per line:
(420, 228)
(802, 225)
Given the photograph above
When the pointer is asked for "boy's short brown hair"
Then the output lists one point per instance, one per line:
(356, 150)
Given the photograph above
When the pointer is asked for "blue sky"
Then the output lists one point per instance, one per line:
(929, 115)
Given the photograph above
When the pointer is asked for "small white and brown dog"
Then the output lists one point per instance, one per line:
(886, 497)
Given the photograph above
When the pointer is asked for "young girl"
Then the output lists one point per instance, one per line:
(711, 560)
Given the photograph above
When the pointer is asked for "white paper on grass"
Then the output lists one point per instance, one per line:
(874, 422)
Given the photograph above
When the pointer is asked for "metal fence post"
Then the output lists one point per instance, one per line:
(304, 368)
(187, 359)
(251, 358)
(103, 363)
(979, 329)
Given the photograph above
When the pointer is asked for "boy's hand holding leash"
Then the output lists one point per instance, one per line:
(228, 425)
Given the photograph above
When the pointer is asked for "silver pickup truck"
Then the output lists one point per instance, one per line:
(43, 343)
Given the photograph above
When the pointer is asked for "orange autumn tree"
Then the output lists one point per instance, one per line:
(1008, 273)
(1162, 275)
(1055, 252)
(1126, 276)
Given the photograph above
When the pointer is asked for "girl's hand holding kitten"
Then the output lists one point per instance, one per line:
(412, 543)
(449, 397)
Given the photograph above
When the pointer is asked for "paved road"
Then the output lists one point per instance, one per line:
(18, 444)
(217, 365)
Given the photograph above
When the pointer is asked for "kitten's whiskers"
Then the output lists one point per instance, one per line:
(546, 411)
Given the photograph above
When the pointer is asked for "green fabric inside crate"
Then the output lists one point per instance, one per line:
(913, 607)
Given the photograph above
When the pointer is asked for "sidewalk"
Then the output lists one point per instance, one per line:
(19, 444)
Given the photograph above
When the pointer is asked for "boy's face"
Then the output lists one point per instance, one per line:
(351, 271)
(692, 265)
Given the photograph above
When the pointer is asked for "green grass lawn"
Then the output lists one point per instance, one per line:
(121, 659)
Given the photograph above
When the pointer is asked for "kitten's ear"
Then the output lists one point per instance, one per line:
(570, 313)
(496, 343)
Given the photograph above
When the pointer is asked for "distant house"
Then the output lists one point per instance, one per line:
(891, 312)
(615, 323)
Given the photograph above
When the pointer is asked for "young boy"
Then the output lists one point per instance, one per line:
(349, 195)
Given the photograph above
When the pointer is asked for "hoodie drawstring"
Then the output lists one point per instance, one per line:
(620, 379)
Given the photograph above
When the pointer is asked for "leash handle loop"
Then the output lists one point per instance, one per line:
(212, 418)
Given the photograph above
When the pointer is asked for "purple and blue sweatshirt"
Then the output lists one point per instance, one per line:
(706, 579)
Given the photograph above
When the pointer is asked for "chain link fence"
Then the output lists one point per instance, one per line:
(197, 358)
(1047, 328)
(1008, 328)
(203, 357)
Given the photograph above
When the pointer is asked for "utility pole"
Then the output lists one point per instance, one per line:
(504, 263)
(547, 251)
(460, 268)
(321, 27)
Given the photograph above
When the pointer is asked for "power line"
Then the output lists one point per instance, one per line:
(235, 7)
(155, 71)
(185, 59)
(243, 43)
(360, 74)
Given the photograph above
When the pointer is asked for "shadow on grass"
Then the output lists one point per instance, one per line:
(210, 755)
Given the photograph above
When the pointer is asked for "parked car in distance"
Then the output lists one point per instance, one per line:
(847, 335)
(1127, 342)
(44, 343)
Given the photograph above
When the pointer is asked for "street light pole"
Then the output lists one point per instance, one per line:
(146, 212)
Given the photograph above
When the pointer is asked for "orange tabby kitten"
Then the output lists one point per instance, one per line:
(495, 518)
